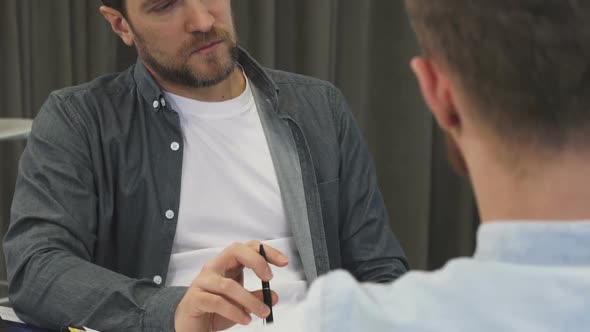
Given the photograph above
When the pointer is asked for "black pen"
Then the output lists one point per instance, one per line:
(266, 291)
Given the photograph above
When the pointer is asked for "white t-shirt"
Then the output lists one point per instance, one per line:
(229, 193)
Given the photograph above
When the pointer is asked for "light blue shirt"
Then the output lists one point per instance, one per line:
(524, 276)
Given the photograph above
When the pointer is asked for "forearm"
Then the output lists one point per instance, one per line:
(379, 270)
(55, 289)
(369, 249)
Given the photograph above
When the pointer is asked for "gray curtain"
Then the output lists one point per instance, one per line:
(362, 46)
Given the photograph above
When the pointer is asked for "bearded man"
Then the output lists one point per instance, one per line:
(142, 196)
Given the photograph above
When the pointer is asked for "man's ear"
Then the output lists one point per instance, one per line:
(119, 24)
(436, 90)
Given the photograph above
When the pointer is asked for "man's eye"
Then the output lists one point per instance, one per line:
(165, 5)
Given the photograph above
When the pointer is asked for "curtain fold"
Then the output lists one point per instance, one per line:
(362, 46)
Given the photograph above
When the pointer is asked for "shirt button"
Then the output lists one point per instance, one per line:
(163, 102)
(158, 280)
(169, 214)
(156, 104)
(175, 146)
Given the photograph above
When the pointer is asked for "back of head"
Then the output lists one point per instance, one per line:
(523, 64)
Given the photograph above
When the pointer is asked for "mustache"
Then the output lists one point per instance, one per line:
(202, 39)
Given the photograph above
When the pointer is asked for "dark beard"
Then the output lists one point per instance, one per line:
(182, 74)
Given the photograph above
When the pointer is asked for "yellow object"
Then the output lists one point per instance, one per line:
(71, 329)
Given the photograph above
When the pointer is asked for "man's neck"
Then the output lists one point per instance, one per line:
(555, 189)
(230, 88)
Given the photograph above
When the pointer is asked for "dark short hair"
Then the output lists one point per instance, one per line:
(116, 4)
(525, 64)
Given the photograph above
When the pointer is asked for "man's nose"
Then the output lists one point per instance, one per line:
(198, 17)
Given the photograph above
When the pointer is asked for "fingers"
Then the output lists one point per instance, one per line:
(260, 296)
(212, 303)
(274, 256)
(232, 291)
(216, 295)
(240, 255)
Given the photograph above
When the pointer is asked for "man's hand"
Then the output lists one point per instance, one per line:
(217, 300)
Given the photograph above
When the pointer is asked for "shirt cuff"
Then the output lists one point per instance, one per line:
(160, 309)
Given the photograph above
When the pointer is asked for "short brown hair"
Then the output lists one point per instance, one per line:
(524, 63)
(116, 4)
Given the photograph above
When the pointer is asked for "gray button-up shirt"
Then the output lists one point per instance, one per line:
(94, 213)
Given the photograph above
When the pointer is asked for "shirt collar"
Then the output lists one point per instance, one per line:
(154, 96)
(535, 242)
